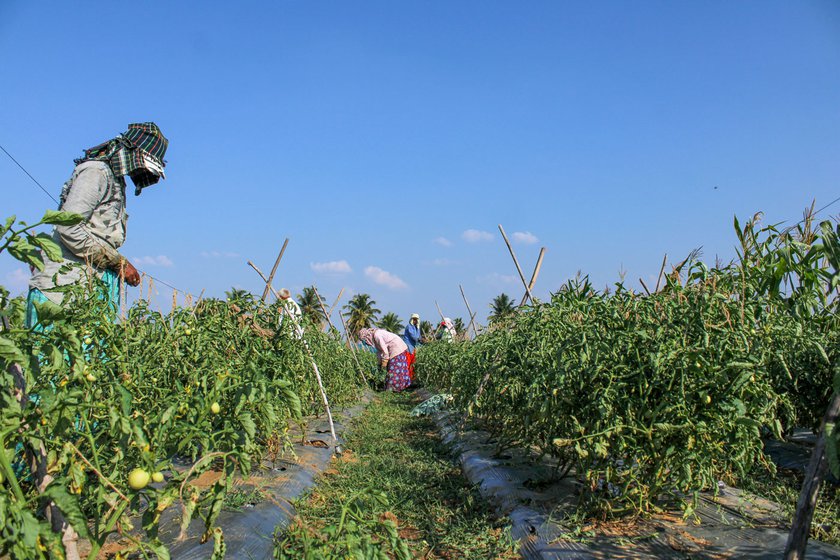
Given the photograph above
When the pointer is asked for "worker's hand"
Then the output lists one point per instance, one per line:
(127, 272)
(383, 364)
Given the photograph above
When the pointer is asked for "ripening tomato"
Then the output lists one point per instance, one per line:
(138, 479)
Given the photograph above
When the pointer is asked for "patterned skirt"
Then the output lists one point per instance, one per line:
(397, 378)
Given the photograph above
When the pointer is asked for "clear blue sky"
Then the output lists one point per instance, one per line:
(378, 133)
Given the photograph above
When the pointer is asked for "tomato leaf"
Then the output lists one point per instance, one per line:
(27, 253)
(49, 311)
(60, 218)
(9, 352)
(68, 505)
(50, 247)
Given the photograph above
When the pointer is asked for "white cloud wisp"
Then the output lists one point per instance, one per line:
(524, 237)
(331, 267)
(476, 236)
(385, 278)
(160, 260)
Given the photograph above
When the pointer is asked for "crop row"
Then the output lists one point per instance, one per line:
(651, 398)
(92, 408)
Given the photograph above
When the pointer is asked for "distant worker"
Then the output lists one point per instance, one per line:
(411, 337)
(96, 191)
(393, 356)
(446, 330)
(290, 307)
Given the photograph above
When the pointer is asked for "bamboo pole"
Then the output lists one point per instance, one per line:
(353, 349)
(472, 315)
(817, 467)
(516, 262)
(273, 270)
(324, 309)
(332, 307)
(197, 303)
(350, 343)
(661, 270)
(534, 275)
(299, 331)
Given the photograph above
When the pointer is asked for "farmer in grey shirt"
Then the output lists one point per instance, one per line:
(96, 190)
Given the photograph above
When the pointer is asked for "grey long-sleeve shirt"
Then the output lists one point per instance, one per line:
(94, 192)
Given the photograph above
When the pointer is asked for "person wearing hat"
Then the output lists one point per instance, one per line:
(290, 307)
(411, 337)
(446, 330)
(96, 191)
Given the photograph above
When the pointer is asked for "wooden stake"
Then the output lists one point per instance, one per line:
(324, 309)
(353, 349)
(516, 262)
(534, 275)
(273, 270)
(350, 343)
(799, 531)
(661, 270)
(472, 315)
(151, 291)
(197, 303)
(439, 311)
(644, 286)
(332, 307)
(299, 330)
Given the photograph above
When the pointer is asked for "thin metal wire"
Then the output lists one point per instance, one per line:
(28, 174)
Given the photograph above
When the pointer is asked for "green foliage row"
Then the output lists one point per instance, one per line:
(178, 394)
(652, 396)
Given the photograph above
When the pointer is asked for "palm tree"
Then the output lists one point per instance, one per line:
(426, 330)
(391, 322)
(502, 307)
(310, 306)
(460, 331)
(361, 312)
(242, 298)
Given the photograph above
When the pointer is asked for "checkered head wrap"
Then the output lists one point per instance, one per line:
(137, 152)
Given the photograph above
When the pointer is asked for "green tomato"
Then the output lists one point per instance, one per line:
(88, 340)
(215, 408)
(138, 479)
(188, 332)
(157, 476)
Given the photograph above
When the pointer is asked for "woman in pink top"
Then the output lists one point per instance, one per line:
(393, 356)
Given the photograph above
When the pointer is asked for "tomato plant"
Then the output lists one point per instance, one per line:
(104, 406)
(664, 394)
